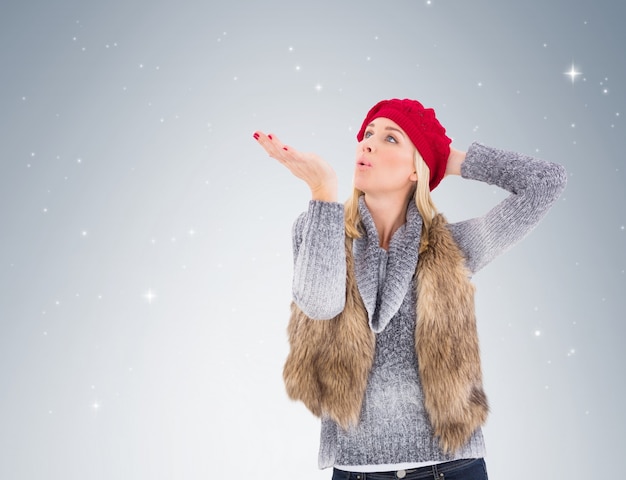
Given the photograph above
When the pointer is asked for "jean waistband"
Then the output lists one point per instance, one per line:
(414, 473)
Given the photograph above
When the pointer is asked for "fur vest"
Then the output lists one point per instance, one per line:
(330, 360)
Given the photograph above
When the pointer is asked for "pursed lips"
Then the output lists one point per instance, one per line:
(363, 163)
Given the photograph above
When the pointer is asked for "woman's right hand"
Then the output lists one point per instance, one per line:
(315, 171)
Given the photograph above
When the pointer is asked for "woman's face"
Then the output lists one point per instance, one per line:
(385, 160)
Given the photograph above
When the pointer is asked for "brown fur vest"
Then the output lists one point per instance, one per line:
(330, 360)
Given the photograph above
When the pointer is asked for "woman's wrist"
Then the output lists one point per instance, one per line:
(455, 160)
(325, 193)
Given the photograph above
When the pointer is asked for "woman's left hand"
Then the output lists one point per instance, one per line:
(455, 160)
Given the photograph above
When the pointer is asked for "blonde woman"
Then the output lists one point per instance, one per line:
(383, 338)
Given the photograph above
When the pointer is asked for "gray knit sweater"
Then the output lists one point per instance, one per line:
(394, 428)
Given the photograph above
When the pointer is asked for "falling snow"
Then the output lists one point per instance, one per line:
(147, 240)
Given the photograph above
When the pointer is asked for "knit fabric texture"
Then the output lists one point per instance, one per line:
(394, 428)
(422, 127)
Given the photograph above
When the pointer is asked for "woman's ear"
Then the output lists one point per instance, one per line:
(413, 177)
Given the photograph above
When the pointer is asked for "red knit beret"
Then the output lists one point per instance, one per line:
(422, 127)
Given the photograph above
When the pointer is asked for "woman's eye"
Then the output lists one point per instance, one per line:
(367, 134)
(391, 139)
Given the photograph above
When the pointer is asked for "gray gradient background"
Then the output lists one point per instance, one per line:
(145, 262)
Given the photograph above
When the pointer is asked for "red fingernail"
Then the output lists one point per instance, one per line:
(284, 148)
(256, 136)
(270, 137)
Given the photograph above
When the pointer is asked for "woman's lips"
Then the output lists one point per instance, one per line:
(362, 163)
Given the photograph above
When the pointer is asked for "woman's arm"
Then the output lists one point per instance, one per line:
(319, 280)
(534, 185)
(455, 162)
(319, 277)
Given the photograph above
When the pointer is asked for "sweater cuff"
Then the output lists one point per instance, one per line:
(482, 163)
(326, 216)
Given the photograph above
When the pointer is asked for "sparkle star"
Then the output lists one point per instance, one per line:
(150, 296)
(573, 73)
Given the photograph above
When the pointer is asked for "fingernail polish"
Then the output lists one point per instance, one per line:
(270, 137)
(284, 148)
(256, 136)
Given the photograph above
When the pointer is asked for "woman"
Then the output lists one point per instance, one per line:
(383, 335)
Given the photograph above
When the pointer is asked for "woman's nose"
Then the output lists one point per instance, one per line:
(366, 146)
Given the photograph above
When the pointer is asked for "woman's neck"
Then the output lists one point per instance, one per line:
(388, 214)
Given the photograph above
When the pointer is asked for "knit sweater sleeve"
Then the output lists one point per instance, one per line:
(534, 185)
(319, 280)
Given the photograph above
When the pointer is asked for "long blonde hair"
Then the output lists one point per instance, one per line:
(420, 194)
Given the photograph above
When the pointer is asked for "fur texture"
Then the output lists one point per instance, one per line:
(446, 341)
(330, 360)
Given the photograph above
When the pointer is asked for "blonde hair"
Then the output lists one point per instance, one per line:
(420, 194)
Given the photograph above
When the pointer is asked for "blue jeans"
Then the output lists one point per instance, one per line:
(469, 469)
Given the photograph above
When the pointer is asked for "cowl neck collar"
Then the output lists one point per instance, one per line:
(398, 264)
